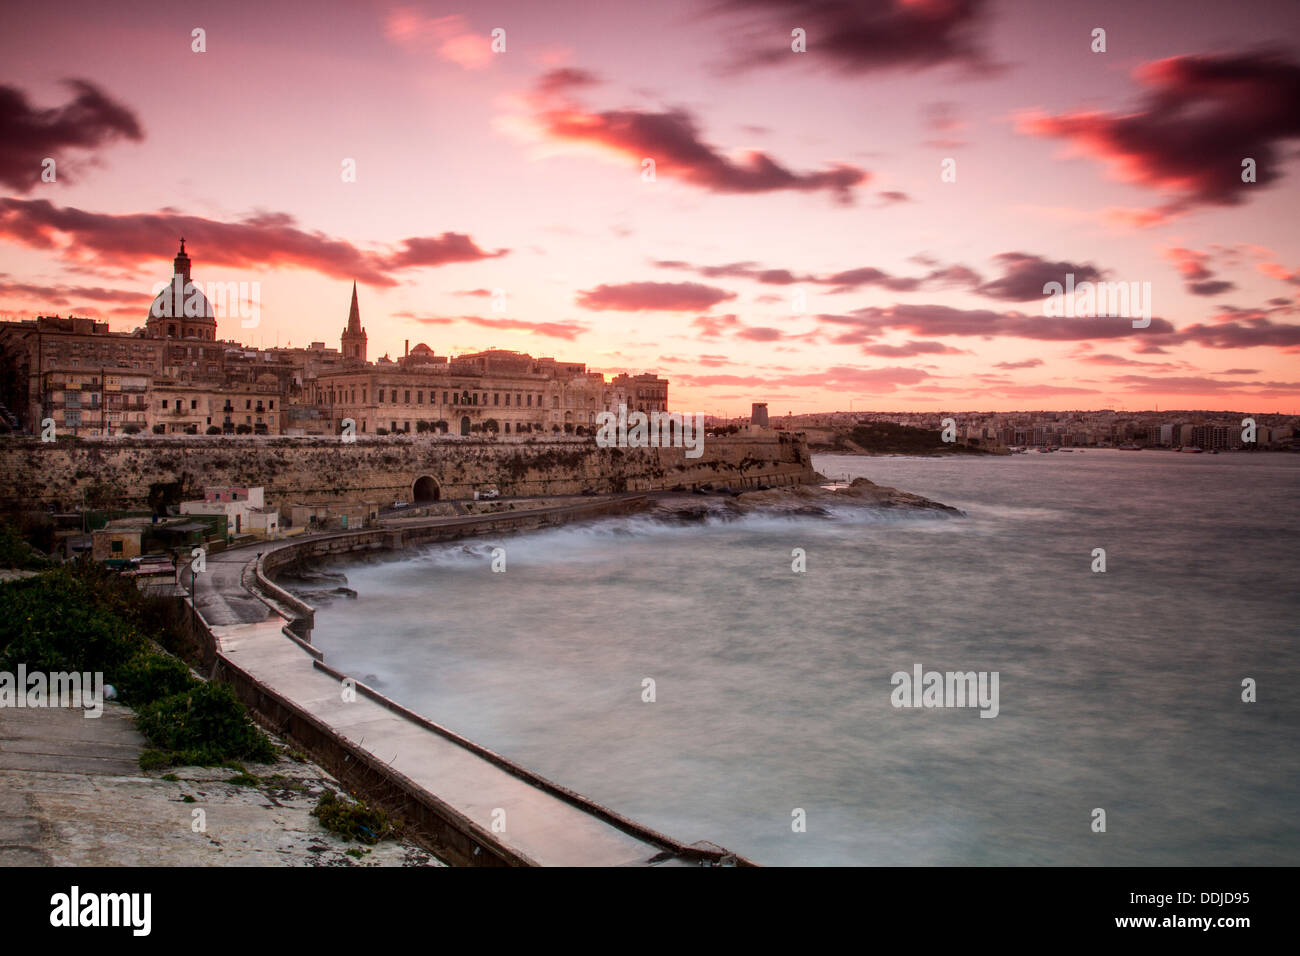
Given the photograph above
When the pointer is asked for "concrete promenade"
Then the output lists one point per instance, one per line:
(503, 808)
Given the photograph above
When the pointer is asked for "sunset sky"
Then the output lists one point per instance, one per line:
(777, 175)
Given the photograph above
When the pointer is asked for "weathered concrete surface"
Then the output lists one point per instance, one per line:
(72, 794)
(37, 474)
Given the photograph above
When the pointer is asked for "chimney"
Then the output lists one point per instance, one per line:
(406, 350)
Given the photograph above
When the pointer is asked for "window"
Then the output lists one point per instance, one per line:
(194, 403)
(406, 397)
(507, 398)
(530, 400)
(496, 398)
(419, 397)
(116, 547)
(444, 398)
(272, 403)
(248, 403)
(164, 403)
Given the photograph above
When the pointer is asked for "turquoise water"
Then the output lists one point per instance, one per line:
(1119, 691)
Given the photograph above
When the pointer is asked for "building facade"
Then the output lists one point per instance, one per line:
(175, 376)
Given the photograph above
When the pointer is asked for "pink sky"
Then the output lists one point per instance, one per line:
(777, 173)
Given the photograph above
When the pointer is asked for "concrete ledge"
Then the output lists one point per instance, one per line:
(674, 847)
(454, 837)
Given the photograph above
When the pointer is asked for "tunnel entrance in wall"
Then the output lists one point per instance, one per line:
(425, 490)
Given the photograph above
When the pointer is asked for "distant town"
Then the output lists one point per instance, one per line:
(1104, 428)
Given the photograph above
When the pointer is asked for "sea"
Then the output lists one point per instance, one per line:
(738, 681)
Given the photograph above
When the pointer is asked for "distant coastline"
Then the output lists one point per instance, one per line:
(888, 438)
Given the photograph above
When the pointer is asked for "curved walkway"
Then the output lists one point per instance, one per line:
(532, 820)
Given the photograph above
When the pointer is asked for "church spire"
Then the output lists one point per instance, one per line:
(354, 336)
(354, 315)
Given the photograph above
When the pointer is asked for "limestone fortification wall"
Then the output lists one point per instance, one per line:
(125, 471)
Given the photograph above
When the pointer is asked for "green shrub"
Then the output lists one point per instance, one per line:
(204, 726)
(153, 759)
(82, 618)
(151, 677)
(352, 821)
(15, 552)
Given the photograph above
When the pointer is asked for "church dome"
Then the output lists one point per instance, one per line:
(181, 310)
(193, 303)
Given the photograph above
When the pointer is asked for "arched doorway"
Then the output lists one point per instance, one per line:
(425, 490)
(464, 425)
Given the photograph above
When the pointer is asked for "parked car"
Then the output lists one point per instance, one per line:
(490, 493)
(399, 504)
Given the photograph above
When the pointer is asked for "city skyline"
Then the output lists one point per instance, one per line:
(778, 175)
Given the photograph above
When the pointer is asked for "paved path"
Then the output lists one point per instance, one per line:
(538, 824)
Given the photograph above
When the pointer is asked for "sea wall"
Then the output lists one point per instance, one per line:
(448, 832)
(259, 575)
(140, 470)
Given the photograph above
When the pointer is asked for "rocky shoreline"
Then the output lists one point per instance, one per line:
(800, 500)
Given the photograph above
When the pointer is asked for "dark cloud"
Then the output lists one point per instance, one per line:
(1025, 275)
(262, 240)
(847, 280)
(1105, 359)
(673, 140)
(862, 36)
(1211, 287)
(1195, 385)
(569, 331)
(910, 349)
(71, 295)
(1194, 266)
(940, 320)
(1200, 117)
(715, 326)
(736, 270)
(1240, 334)
(841, 377)
(29, 135)
(653, 297)
(438, 251)
(1027, 363)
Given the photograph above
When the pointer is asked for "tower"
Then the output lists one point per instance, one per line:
(354, 336)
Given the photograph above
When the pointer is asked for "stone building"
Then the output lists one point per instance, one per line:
(175, 376)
